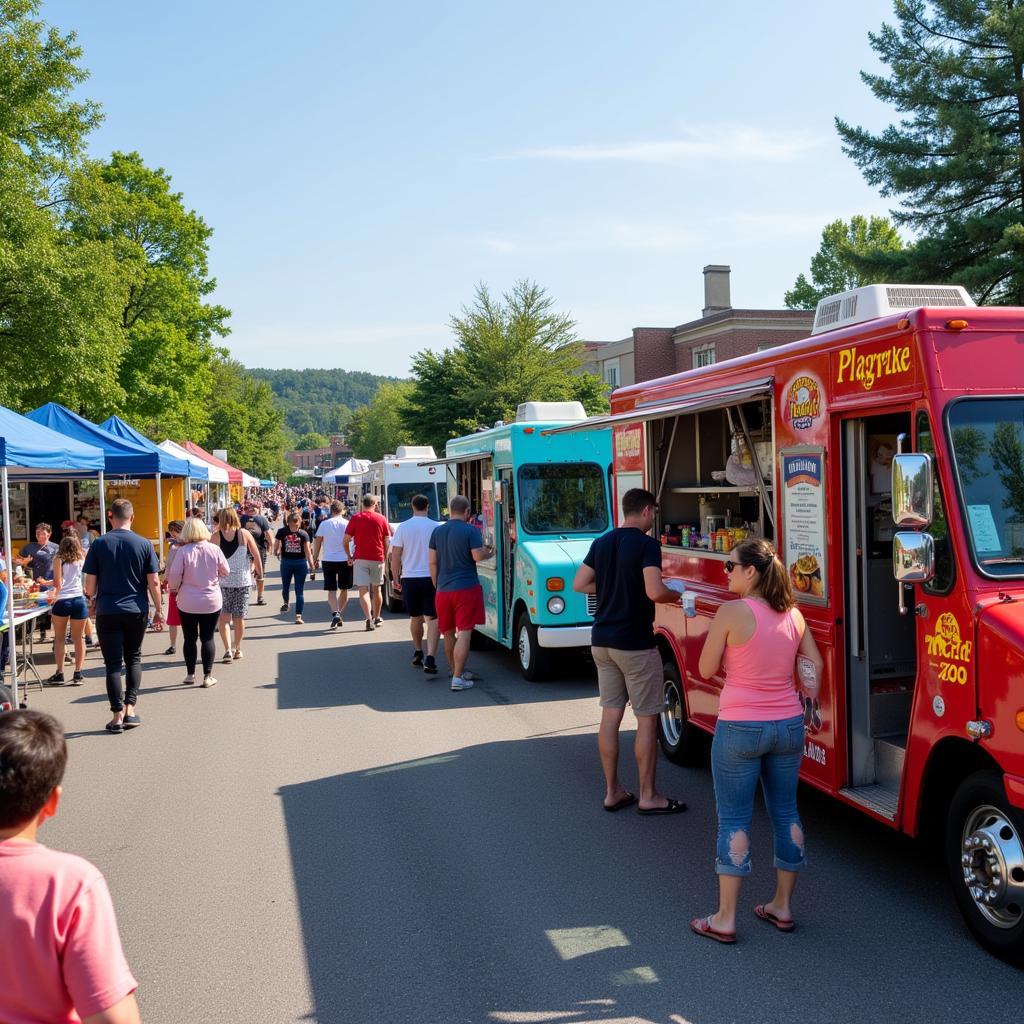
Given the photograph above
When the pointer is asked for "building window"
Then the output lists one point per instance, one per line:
(703, 355)
(611, 372)
(764, 345)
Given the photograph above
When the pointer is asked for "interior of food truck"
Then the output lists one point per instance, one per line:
(881, 655)
(712, 472)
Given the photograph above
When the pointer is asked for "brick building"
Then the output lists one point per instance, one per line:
(721, 332)
(318, 461)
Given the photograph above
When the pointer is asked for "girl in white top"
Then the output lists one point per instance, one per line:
(69, 603)
(240, 550)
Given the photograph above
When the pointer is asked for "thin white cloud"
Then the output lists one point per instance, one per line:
(598, 235)
(723, 143)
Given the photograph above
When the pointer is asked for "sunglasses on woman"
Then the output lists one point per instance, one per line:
(730, 565)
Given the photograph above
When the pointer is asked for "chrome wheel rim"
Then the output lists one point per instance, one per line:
(992, 858)
(672, 715)
(523, 646)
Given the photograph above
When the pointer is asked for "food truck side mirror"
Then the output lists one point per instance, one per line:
(912, 490)
(913, 557)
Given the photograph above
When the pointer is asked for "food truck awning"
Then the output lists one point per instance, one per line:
(122, 456)
(458, 460)
(31, 450)
(214, 474)
(660, 409)
(167, 463)
(235, 476)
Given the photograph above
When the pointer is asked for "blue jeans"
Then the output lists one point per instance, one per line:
(742, 753)
(294, 569)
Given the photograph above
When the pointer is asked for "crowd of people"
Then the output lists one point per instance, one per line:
(757, 641)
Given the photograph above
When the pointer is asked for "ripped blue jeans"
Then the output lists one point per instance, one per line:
(742, 753)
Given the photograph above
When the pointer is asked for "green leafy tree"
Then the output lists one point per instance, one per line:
(379, 428)
(246, 421)
(309, 441)
(838, 264)
(955, 160)
(161, 250)
(510, 350)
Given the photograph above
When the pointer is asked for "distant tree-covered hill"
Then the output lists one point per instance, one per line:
(320, 400)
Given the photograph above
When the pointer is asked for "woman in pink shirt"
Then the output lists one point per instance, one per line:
(194, 578)
(760, 729)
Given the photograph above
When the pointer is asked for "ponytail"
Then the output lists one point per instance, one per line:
(774, 584)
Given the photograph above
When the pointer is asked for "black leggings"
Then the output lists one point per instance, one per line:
(120, 637)
(203, 626)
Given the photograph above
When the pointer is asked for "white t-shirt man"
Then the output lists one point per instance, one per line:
(413, 537)
(332, 533)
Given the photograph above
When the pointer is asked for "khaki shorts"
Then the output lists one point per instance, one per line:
(634, 676)
(366, 573)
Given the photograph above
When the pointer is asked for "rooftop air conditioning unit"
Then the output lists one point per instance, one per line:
(414, 451)
(550, 412)
(859, 305)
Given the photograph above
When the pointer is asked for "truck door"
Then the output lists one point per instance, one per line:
(507, 551)
(881, 647)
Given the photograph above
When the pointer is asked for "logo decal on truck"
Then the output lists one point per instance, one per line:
(952, 652)
(803, 402)
(867, 368)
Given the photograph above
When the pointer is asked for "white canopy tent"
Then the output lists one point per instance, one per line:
(349, 468)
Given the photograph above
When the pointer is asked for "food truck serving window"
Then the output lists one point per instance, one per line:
(563, 497)
(987, 438)
(400, 500)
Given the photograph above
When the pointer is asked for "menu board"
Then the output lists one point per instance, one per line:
(804, 551)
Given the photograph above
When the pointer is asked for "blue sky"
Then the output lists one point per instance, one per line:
(364, 166)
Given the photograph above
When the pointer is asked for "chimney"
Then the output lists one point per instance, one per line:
(716, 289)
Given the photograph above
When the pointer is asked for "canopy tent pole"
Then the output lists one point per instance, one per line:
(159, 521)
(9, 609)
(103, 505)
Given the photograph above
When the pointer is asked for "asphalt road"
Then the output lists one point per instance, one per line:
(329, 835)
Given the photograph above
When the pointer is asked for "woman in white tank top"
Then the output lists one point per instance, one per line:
(68, 604)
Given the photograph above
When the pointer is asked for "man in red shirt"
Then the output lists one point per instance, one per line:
(369, 533)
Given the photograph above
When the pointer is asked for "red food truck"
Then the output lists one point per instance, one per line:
(884, 457)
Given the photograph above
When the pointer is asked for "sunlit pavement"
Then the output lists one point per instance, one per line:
(330, 835)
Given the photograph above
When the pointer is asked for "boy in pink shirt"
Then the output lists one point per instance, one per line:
(63, 963)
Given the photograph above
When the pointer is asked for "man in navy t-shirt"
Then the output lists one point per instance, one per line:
(455, 548)
(623, 568)
(120, 568)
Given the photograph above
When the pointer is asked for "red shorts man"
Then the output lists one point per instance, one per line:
(455, 548)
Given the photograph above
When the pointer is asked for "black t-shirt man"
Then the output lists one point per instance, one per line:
(259, 527)
(624, 619)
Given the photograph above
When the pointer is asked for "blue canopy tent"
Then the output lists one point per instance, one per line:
(123, 456)
(32, 451)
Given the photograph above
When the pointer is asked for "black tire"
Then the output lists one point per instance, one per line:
(978, 812)
(681, 741)
(534, 661)
(392, 603)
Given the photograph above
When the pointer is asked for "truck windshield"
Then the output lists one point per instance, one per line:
(562, 497)
(400, 500)
(987, 437)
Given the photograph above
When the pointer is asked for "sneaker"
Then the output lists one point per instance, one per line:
(208, 681)
(284, 607)
(260, 601)
(299, 621)
(335, 620)
(57, 679)
(238, 653)
(378, 621)
(170, 650)
(417, 659)
(77, 679)
(227, 657)
(370, 627)
(89, 642)
(430, 666)
(462, 684)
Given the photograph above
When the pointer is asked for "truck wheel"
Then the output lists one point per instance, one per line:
(533, 659)
(391, 602)
(985, 856)
(681, 742)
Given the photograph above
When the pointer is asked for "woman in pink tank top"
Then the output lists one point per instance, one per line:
(760, 731)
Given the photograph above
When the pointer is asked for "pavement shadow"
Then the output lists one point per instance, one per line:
(486, 884)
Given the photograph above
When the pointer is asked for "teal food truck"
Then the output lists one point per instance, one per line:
(540, 501)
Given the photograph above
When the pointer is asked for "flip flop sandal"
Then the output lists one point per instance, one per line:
(767, 915)
(702, 926)
(627, 801)
(674, 807)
